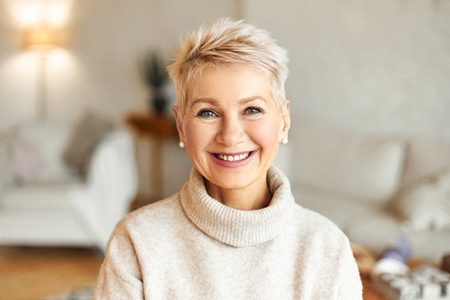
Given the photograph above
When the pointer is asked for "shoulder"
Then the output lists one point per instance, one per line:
(155, 211)
(322, 242)
(315, 225)
(150, 218)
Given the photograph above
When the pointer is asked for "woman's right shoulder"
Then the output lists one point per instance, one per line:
(146, 227)
(148, 221)
(157, 211)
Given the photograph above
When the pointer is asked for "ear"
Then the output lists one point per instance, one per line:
(286, 118)
(178, 121)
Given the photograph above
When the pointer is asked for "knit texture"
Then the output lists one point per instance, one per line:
(235, 227)
(190, 246)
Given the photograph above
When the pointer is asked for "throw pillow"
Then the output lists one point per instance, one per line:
(27, 162)
(343, 162)
(6, 164)
(43, 141)
(87, 133)
(426, 205)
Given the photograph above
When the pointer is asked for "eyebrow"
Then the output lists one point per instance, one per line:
(204, 100)
(215, 101)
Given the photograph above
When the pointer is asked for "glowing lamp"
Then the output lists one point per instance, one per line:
(42, 37)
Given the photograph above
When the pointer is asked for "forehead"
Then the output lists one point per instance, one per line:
(229, 82)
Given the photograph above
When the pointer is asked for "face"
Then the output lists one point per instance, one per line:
(232, 127)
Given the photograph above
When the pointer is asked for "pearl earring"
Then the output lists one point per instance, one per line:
(181, 144)
(284, 141)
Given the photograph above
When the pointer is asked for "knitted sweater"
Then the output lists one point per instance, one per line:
(191, 246)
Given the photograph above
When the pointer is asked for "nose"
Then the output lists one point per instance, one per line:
(231, 132)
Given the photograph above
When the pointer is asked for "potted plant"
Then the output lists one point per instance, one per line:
(153, 71)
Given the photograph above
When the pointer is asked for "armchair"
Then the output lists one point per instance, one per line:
(43, 202)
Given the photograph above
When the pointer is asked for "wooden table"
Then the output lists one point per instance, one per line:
(370, 292)
(154, 129)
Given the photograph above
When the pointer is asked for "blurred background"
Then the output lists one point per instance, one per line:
(359, 65)
(367, 67)
(363, 65)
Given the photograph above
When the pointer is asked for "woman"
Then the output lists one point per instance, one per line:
(234, 230)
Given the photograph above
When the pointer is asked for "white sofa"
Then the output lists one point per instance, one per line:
(376, 188)
(42, 201)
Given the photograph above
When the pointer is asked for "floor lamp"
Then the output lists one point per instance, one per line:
(42, 39)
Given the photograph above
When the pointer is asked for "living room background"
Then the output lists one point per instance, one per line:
(376, 67)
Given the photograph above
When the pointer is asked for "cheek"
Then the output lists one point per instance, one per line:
(197, 136)
(267, 134)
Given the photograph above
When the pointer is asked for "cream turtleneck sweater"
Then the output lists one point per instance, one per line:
(191, 246)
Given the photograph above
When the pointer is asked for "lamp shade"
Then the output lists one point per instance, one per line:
(41, 37)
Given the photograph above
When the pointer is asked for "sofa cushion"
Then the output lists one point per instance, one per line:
(86, 134)
(6, 167)
(379, 231)
(370, 225)
(426, 205)
(424, 159)
(44, 227)
(376, 230)
(338, 207)
(36, 197)
(36, 153)
(27, 161)
(365, 166)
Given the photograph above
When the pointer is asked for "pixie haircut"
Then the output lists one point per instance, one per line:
(226, 42)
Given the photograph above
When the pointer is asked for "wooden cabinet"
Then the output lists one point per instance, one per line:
(152, 131)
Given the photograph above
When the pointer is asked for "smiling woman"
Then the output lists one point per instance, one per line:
(234, 230)
(231, 128)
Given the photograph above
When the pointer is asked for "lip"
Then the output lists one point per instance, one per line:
(232, 164)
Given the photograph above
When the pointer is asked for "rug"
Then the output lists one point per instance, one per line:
(83, 293)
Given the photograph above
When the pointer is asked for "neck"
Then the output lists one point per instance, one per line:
(253, 197)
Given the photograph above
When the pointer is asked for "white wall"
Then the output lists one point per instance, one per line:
(98, 65)
(374, 66)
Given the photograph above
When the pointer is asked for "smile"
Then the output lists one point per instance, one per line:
(233, 158)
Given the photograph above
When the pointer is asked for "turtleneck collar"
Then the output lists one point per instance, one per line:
(239, 228)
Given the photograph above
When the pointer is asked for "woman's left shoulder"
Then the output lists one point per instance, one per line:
(307, 219)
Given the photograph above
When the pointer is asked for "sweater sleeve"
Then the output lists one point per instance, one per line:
(350, 282)
(120, 276)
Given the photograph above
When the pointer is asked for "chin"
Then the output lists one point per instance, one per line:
(236, 181)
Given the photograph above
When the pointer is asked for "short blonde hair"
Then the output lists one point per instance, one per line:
(227, 42)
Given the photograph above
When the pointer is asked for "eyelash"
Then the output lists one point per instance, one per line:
(209, 113)
(255, 110)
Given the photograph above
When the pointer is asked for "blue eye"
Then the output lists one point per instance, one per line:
(253, 110)
(206, 113)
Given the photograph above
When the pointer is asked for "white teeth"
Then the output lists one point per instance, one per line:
(232, 158)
